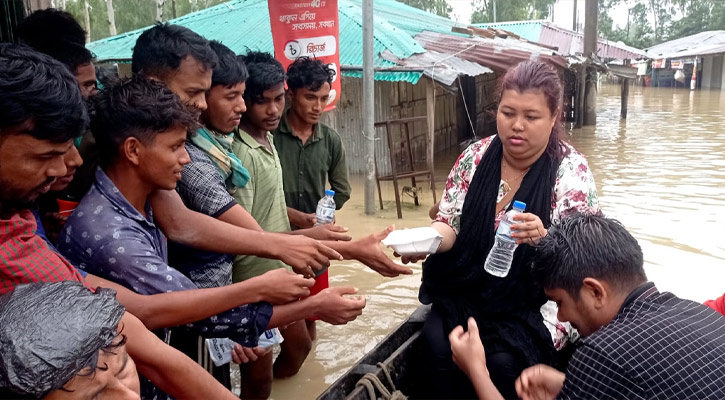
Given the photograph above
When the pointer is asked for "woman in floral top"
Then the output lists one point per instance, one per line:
(525, 161)
(574, 190)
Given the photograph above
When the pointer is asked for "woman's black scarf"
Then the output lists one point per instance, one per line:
(506, 309)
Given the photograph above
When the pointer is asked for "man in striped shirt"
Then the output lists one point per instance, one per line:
(637, 343)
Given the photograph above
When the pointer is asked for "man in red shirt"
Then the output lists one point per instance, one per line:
(41, 111)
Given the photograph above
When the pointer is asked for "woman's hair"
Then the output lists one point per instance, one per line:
(538, 76)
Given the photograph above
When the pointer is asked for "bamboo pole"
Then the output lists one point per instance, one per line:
(368, 108)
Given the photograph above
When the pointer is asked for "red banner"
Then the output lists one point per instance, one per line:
(307, 28)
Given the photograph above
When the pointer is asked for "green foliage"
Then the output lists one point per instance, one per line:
(438, 7)
(651, 21)
(131, 14)
(510, 10)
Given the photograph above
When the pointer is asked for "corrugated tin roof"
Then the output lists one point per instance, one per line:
(529, 30)
(698, 44)
(389, 76)
(442, 67)
(568, 42)
(242, 24)
(498, 54)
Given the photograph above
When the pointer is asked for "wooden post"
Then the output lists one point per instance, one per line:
(625, 95)
(581, 93)
(368, 106)
(591, 10)
(430, 93)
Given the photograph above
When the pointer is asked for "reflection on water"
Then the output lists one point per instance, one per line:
(661, 172)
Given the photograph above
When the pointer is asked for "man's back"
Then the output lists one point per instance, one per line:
(658, 347)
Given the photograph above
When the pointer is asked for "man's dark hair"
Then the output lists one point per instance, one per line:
(50, 332)
(39, 91)
(135, 107)
(228, 71)
(309, 74)
(44, 28)
(57, 34)
(265, 72)
(160, 50)
(585, 245)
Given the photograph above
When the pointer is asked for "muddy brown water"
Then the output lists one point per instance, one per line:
(661, 172)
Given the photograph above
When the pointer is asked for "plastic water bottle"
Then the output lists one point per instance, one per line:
(326, 209)
(498, 262)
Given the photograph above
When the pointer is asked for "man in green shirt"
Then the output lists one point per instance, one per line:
(263, 197)
(310, 152)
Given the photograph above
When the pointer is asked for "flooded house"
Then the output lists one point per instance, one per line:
(702, 52)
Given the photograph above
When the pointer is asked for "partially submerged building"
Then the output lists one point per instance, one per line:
(704, 51)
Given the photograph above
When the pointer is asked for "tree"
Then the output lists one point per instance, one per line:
(111, 17)
(651, 22)
(438, 7)
(510, 10)
(130, 14)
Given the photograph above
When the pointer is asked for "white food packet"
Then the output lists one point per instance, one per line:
(220, 349)
(270, 337)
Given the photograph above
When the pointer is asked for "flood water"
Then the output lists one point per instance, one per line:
(661, 172)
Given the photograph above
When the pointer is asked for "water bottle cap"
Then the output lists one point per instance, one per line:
(520, 205)
(330, 192)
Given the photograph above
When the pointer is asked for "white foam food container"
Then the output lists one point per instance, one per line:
(424, 240)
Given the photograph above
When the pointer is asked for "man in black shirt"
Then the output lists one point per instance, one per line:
(637, 343)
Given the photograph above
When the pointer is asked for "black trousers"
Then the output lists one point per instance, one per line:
(447, 381)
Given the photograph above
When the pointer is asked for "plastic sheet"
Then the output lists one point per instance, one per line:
(51, 331)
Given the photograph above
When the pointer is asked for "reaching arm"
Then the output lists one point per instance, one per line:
(168, 368)
(179, 308)
(469, 355)
(367, 250)
(329, 305)
(206, 233)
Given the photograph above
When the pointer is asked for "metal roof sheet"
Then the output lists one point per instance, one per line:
(244, 24)
(498, 54)
(568, 42)
(693, 45)
(442, 67)
(529, 30)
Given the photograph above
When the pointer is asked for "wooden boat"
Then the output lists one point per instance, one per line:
(397, 358)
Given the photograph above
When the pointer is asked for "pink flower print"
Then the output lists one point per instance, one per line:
(578, 196)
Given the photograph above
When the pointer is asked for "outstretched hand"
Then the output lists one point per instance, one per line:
(281, 286)
(326, 232)
(367, 250)
(243, 355)
(304, 254)
(337, 309)
(467, 348)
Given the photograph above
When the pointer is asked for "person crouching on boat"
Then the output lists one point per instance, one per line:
(637, 343)
(526, 161)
